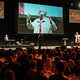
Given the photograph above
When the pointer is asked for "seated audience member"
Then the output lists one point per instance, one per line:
(59, 72)
(9, 75)
(56, 59)
(39, 73)
(30, 57)
(31, 74)
(75, 73)
(44, 56)
(71, 65)
(47, 65)
(14, 66)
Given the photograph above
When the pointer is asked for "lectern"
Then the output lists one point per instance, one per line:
(64, 39)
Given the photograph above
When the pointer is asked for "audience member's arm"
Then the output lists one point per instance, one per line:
(53, 25)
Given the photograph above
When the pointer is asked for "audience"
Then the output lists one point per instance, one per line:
(42, 64)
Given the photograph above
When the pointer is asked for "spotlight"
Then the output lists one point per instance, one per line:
(18, 43)
(79, 5)
(72, 4)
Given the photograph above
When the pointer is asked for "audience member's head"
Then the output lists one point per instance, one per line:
(33, 64)
(59, 67)
(39, 65)
(71, 63)
(44, 56)
(30, 57)
(10, 59)
(56, 59)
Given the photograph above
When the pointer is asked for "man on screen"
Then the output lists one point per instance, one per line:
(43, 24)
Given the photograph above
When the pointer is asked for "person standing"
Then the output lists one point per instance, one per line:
(6, 39)
(77, 39)
(42, 24)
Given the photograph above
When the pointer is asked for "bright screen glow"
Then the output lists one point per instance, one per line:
(51, 22)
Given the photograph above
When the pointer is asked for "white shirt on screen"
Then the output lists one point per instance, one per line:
(45, 25)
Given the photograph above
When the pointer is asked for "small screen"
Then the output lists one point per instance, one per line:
(1, 10)
(74, 16)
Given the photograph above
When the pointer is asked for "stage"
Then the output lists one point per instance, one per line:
(46, 44)
(6, 47)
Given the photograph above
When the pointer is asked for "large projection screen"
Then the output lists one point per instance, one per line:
(53, 13)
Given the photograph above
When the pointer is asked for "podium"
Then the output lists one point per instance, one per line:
(64, 39)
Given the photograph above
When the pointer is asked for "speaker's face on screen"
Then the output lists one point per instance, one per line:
(41, 17)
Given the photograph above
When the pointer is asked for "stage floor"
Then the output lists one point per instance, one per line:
(6, 47)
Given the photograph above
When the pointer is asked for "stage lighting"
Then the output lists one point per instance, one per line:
(72, 4)
(79, 5)
(18, 43)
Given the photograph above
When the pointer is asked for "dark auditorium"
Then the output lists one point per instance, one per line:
(40, 40)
